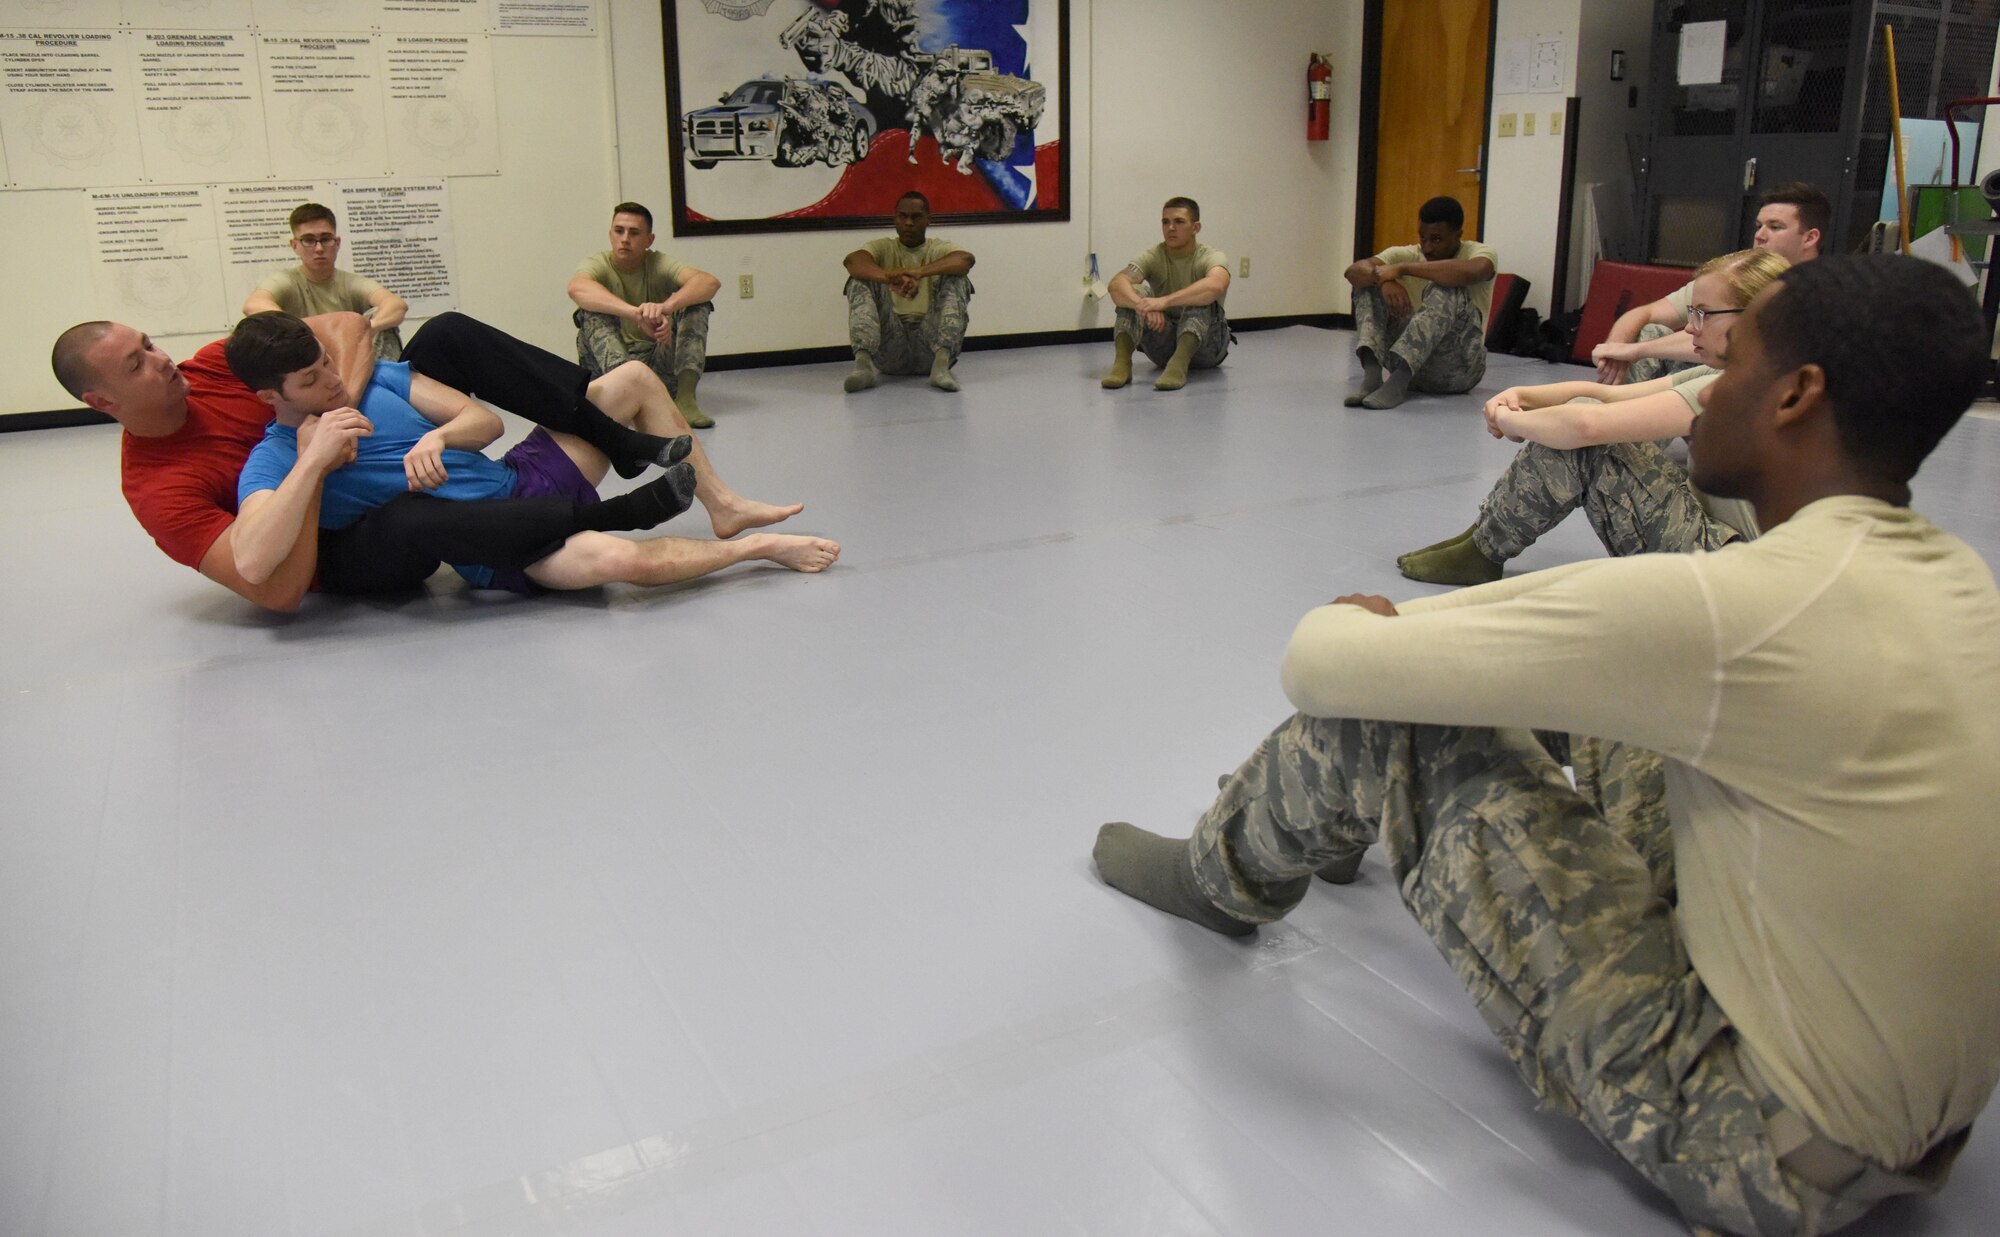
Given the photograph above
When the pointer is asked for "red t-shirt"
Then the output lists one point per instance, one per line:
(183, 487)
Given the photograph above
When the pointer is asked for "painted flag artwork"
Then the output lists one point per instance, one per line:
(794, 115)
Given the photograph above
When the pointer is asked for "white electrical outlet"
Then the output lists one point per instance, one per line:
(745, 289)
(1243, 269)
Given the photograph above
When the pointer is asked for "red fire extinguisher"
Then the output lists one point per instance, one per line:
(1319, 98)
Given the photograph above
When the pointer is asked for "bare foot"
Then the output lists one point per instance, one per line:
(735, 514)
(801, 553)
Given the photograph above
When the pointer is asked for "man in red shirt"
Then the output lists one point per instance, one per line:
(189, 428)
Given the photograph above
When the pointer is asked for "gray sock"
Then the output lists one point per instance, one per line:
(941, 371)
(1371, 377)
(1155, 870)
(1395, 385)
(862, 376)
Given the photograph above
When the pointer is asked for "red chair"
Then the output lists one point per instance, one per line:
(1616, 287)
(1502, 319)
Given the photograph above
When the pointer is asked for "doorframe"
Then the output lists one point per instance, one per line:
(1371, 118)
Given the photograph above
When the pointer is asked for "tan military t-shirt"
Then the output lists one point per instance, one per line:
(1482, 292)
(343, 292)
(1734, 512)
(1166, 274)
(656, 278)
(1682, 300)
(891, 254)
(1827, 698)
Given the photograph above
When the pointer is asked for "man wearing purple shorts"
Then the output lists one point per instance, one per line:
(421, 435)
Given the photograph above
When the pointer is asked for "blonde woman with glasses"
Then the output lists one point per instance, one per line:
(1603, 448)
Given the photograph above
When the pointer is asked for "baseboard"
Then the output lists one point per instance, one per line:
(1023, 339)
(66, 418)
(63, 419)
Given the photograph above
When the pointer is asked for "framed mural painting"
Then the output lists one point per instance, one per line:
(823, 112)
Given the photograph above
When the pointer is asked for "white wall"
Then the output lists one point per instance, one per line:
(1227, 132)
(1524, 174)
(1227, 129)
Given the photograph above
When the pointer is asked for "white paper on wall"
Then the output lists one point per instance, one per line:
(254, 236)
(66, 14)
(1545, 66)
(154, 257)
(66, 108)
(281, 15)
(1701, 48)
(441, 112)
(437, 16)
(188, 14)
(201, 105)
(398, 233)
(323, 96)
(1510, 67)
(573, 17)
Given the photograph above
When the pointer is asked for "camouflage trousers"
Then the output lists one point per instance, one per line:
(1207, 323)
(1547, 903)
(1638, 499)
(902, 346)
(1648, 368)
(601, 345)
(1443, 343)
(388, 344)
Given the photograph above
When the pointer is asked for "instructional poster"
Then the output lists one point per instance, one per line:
(399, 235)
(155, 251)
(448, 16)
(325, 99)
(396, 232)
(67, 109)
(235, 15)
(440, 100)
(201, 106)
(69, 14)
(277, 15)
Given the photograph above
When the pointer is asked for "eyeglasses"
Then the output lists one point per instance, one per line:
(1696, 317)
(318, 240)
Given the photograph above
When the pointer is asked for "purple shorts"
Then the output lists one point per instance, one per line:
(542, 469)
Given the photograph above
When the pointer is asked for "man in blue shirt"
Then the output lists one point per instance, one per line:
(420, 435)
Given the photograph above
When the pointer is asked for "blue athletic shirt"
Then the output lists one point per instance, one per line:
(376, 475)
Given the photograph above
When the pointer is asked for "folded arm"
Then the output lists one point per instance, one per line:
(463, 424)
(1450, 273)
(390, 310)
(1625, 331)
(1621, 650)
(272, 524)
(1660, 414)
(287, 584)
(1204, 291)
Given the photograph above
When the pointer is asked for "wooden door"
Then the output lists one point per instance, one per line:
(1432, 118)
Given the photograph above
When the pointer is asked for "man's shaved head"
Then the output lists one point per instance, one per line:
(70, 357)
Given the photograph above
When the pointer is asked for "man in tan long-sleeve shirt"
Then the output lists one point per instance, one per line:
(1816, 1023)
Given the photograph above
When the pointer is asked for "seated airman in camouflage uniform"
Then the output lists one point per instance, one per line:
(1420, 311)
(1169, 301)
(1648, 342)
(907, 297)
(1812, 1022)
(1595, 447)
(634, 303)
